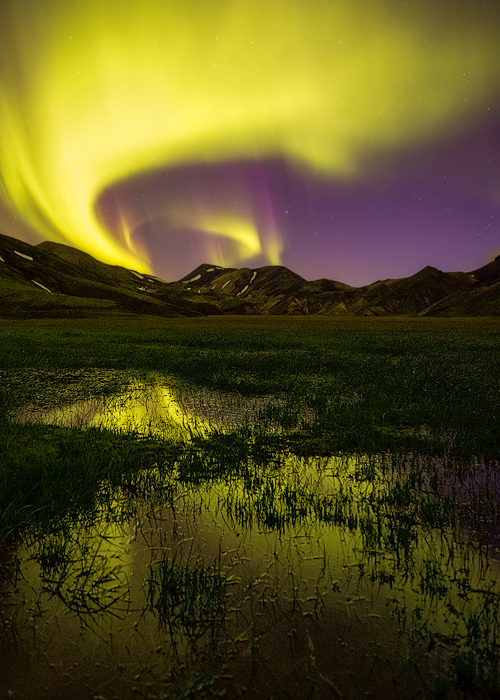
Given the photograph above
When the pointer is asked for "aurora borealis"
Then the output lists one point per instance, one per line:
(348, 140)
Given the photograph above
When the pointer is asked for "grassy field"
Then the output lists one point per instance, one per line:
(370, 381)
(378, 437)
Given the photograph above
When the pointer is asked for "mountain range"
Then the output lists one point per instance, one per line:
(56, 280)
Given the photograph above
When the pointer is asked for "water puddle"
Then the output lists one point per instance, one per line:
(344, 576)
(151, 406)
(145, 606)
(238, 586)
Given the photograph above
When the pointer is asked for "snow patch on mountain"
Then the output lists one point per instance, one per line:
(40, 285)
(22, 255)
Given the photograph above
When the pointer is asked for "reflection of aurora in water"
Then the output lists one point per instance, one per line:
(142, 408)
(340, 558)
(154, 406)
(320, 546)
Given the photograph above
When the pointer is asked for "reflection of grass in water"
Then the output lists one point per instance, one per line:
(404, 518)
(399, 518)
(404, 515)
(83, 565)
(188, 596)
(420, 527)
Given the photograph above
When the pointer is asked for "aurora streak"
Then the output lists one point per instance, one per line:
(96, 93)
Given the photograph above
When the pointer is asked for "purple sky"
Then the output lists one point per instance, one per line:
(437, 204)
(355, 140)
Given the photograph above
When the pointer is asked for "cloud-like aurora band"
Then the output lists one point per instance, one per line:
(93, 92)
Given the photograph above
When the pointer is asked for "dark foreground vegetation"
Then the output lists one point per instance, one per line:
(383, 433)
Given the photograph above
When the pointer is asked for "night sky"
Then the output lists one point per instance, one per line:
(350, 140)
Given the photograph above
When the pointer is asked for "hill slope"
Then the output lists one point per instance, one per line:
(51, 279)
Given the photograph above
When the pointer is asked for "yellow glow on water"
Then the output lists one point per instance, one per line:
(92, 92)
(148, 409)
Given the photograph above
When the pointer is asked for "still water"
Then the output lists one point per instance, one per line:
(152, 406)
(298, 578)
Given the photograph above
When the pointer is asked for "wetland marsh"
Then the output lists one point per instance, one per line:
(250, 508)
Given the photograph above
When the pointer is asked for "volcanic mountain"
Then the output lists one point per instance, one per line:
(51, 279)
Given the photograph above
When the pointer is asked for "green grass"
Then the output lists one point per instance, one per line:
(48, 473)
(372, 384)
(357, 385)
(385, 431)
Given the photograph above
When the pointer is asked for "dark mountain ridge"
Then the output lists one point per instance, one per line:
(52, 279)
